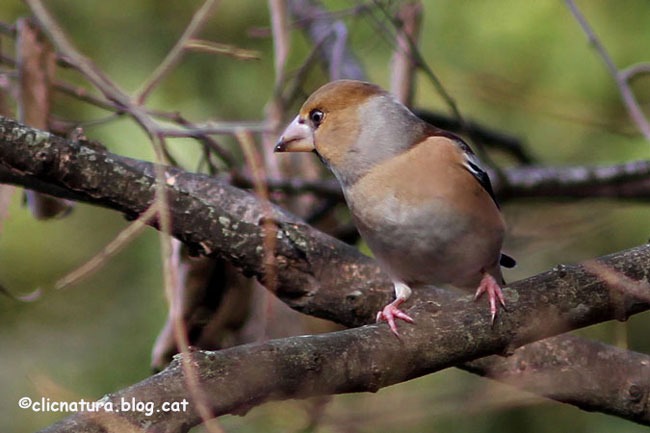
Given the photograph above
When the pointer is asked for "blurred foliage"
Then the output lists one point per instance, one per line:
(522, 67)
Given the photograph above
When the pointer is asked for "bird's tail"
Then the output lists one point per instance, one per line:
(507, 262)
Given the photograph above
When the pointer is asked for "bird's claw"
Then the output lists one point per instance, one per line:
(491, 287)
(390, 312)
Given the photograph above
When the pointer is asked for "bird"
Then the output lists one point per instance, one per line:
(417, 194)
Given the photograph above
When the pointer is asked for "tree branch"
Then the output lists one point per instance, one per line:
(322, 30)
(489, 136)
(630, 180)
(588, 374)
(222, 221)
(369, 358)
(627, 180)
(366, 359)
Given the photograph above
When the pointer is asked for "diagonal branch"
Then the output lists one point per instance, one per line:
(620, 77)
(361, 359)
(369, 358)
(325, 31)
(175, 55)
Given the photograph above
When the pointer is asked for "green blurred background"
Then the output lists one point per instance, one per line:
(522, 67)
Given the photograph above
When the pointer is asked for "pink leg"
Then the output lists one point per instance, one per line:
(489, 285)
(390, 312)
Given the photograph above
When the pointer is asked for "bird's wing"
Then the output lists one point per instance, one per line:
(470, 160)
(473, 165)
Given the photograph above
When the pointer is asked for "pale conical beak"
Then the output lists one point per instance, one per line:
(297, 137)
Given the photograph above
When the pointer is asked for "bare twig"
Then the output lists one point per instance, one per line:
(114, 94)
(174, 56)
(190, 372)
(402, 80)
(281, 39)
(223, 49)
(269, 228)
(491, 137)
(275, 108)
(318, 24)
(122, 239)
(620, 77)
(209, 143)
(84, 95)
(424, 66)
(214, 127)
(619, 281)
(36, 71)
(83, 64)
(634, 71)
(294, 87)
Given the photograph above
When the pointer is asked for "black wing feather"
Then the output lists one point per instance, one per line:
(483, 179)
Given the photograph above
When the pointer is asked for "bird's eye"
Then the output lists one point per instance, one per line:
(316, 116)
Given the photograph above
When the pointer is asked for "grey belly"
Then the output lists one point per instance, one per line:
(429, 247)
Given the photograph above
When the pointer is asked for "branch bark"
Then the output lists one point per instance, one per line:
(590, 375)
(369, 358)
(223, 221)
(630, 180)
(363, 359)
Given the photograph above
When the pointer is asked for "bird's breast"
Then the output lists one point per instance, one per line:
(428, 243)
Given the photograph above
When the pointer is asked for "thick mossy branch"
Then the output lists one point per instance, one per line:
(370, 357)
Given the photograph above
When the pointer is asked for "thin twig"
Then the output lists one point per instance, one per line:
(84, 95)
(294, 87)
(207, 128)
(281, 39)
(224, 49)
(112, 248)
(402, 80)
(319, 25)
(617, 280)
(275, 108)
(634, 71)
(171, 283)
(621, 78)
(174, 56)
(478, 132)
(425, 67)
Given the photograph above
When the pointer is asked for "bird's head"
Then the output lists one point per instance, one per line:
(352, 125)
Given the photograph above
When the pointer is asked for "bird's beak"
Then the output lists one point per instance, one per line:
(297, 137)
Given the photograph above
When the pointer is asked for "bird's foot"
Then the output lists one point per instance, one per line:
(493, 289)
(390, 312)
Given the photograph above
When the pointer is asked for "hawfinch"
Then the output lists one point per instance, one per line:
(417, 194)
